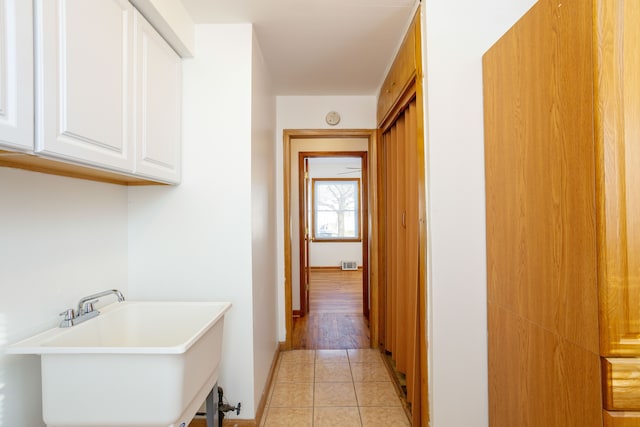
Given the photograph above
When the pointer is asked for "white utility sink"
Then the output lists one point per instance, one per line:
(142, 364)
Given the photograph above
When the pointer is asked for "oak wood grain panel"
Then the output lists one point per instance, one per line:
(400, 253)
(412, 221)
(544, 368)
(549, 381)
(540, 171)
(374, 240)
(421, 417)
(408, 252)
(617, 130)
(54, 167)
(401, 74)
(631, 103)
(288, 235)
(621, 419)
(392, 240)
(621, 383)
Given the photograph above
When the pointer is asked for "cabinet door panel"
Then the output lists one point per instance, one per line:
(158, 102)
(16, 75)
(85, 72)
(621, 419)
(621, 379)
(617, 135)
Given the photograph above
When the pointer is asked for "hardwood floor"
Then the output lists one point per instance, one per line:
(335, 319)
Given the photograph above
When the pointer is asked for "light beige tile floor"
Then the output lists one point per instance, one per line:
(340, 388)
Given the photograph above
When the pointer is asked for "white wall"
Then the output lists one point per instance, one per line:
(308, 112)
(194, 241)
(263, 216)
(60, 239)
(457, 34)
(331, 254)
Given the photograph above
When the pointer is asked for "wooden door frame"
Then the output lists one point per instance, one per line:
(304, 235)
(370, 222)
(364, 222)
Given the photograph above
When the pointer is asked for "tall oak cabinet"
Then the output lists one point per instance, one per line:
(562, 161)
(400, 238)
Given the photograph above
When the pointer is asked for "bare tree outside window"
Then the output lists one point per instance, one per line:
(336, 209)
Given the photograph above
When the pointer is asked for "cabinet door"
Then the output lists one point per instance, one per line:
(617, 97)
(158, 105)
(621, 383)
(16, 75)
(84, 74)
(621, 419)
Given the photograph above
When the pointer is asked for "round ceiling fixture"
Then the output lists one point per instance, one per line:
(333, 118)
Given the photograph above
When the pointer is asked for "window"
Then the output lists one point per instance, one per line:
(336, 209)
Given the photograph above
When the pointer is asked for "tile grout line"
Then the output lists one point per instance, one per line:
(362, 360)
(353, 383)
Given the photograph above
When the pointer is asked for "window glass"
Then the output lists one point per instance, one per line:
(336, 207)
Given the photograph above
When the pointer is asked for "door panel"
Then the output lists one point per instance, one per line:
(400, 245)
(307, 236)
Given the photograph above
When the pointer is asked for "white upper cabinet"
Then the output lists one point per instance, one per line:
(158, 105)
(16, 75)
(84, 82)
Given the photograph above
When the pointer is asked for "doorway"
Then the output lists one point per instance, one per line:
(299, 148)
(333, 297)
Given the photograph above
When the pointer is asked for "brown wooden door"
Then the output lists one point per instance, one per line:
(304, 204)
(400, 249)
(307, 237)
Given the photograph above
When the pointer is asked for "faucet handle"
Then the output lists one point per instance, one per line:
(88, 306)
(68, 314)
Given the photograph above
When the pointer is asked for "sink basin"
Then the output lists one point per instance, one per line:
(142, 364)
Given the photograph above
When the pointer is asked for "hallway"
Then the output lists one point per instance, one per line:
(333, 378)
(335, 319)
(333, 388)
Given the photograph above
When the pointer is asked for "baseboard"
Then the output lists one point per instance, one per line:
(386, 359)
(267, 389)
(201, 422)
(234, 422)
(239, 423)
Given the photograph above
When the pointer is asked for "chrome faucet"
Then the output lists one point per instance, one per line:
(85, 310)
(85, 305)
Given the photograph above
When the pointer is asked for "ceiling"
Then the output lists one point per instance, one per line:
(318, 47)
